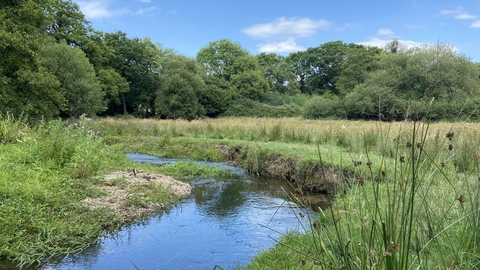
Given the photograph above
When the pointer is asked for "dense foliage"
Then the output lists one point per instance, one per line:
(55, 64)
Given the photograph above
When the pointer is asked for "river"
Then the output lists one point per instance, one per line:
(224, 222)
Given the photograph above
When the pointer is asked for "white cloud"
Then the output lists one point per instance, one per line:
(146, 1)
(385, 32)
(475, 24)
(295, 27)
(280, 47)
(465, 16)
(413, 26)
(380, 43)
(98, 9)
(458, 13)
(144, 10)
(383, 36)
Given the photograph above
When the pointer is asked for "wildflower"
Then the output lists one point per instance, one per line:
(19, 133)
(89, 131)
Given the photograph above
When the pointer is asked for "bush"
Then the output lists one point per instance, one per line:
(320, 107)
(250, 108)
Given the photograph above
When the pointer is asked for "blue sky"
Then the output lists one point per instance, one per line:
(287, 26)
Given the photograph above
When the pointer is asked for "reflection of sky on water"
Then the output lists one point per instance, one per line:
(224, 221)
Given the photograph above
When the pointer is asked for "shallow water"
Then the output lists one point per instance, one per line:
(223, 222)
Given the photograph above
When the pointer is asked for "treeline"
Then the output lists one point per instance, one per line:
(55, 64)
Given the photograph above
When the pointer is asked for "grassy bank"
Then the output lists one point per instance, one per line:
(410, 197)
(47, 170)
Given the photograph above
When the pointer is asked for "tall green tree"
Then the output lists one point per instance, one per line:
(318, 68)
(139, 62)
(25, 86)
(66, 22)
(181, 86)
(279, 73)
(221, 61)
(79, 84)
(224, 59)
(354, 69)
(102, 55)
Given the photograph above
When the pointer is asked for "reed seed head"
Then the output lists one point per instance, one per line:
(450, 135)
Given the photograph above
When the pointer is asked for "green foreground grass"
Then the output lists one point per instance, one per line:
(410, 194)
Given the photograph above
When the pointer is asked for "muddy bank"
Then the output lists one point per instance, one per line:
(309, 176)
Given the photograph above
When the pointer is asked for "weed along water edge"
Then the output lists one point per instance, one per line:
(225, 221)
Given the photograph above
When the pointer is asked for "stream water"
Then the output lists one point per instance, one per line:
(224, 222)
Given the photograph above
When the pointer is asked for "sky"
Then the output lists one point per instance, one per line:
(284, 27)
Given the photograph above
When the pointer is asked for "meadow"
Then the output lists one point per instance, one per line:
(406, 193)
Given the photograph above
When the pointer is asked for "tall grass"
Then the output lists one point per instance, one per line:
(45, 171)
(417, 210)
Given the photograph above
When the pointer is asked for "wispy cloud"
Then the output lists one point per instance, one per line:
(385, 35)
(295, 27)
(280, 47)
(146, 1)
(475, 24)
(413, 26)
(145, 10)
(99, 9)
(458, 13)
(280, 35)
(385, 32)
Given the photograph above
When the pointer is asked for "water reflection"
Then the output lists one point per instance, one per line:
(223, 222)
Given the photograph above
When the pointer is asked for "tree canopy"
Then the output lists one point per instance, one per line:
(54, 63)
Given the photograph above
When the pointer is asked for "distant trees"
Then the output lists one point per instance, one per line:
(407, 81)
(55, 64)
